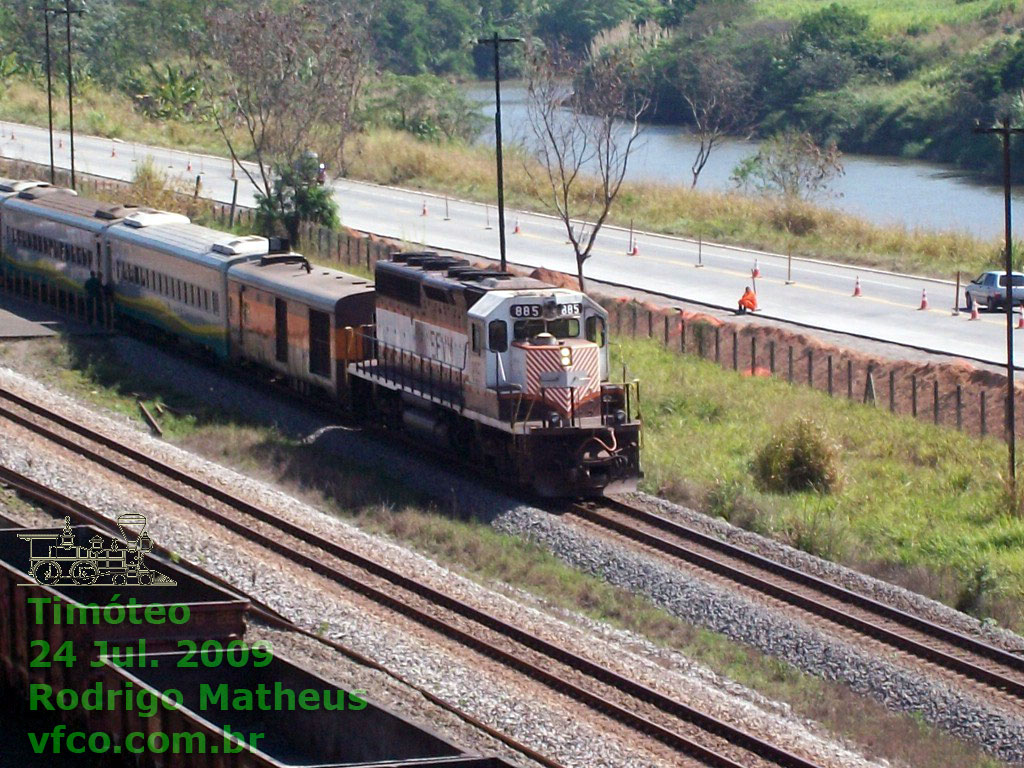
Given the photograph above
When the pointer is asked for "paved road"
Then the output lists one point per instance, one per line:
(820, 295)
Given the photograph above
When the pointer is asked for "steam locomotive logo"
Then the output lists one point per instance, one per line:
(56, 558)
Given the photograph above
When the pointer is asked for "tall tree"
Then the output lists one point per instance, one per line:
(584, 137)
(283, 82)
(718, 98)
(790, 164)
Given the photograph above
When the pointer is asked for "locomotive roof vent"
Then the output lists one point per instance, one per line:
(150, 218)
(402, 257)
(242, 246)
(114, 212)
(36, 192)
(17, 185)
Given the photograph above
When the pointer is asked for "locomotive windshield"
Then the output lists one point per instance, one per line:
(562, 328)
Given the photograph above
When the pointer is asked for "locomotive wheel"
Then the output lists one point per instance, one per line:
(47, 572)
(84, 572)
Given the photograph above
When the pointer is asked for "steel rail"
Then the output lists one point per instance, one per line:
(937, 656)
(65, 505)
(721, 729)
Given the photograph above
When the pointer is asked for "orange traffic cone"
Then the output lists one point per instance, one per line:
(60, 143)
(424, 211)
(188, 166)
(12, 134)
(924, 299)
(974, 311)
(516, 230)
(856, 287)
(113, 151)
(636, 250)
(1020, 322)
(756, 271)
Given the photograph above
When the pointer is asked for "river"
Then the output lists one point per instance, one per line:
(883, 190)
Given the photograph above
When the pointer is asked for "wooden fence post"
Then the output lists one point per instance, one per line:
(935, 401)
(790, 375)
(771, 356)
(634, 320)
(735, 351)
(682, 334)
(718, 344)
(869, 386)
(981, 407)
(650, 324)
(959, 407)
(753, 355)
(913, 395)
(830, 375)
(892, 391)
(810, 367)
(849, 379)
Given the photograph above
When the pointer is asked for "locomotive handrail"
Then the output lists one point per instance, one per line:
(436, 379)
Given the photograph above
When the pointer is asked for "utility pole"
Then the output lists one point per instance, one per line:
(66, 12)
(49, 90)
(496, 42)
(1005, 132)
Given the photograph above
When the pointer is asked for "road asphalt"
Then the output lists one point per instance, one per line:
(809, 293)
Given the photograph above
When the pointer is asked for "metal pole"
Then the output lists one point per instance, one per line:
(1010, 410)
(71, 87)
(497, 136)
(1005, 132)
(49, 92)
(496, 41)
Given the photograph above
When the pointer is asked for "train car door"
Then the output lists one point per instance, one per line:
(281, 330)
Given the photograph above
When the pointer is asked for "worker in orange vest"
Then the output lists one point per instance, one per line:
(748, 302)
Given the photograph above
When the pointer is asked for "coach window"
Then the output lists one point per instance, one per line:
(497, 336)
(595, 329)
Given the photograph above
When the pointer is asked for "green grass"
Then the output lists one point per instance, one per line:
(920, 504)
(893, 16)
(88, 369)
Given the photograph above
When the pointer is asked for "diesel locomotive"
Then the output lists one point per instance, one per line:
(507, 372)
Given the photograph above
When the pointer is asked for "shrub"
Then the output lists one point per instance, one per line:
(800, 457)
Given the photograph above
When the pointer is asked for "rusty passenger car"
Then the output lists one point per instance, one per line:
(300, 320)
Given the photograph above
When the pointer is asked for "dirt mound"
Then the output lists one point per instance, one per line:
(557, 279)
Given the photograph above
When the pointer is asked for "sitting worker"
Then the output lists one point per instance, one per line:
(748, 302)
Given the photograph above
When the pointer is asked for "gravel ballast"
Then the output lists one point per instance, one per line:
(541, 722)
(702, 604)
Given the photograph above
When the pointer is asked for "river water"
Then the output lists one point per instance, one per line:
(881, 189)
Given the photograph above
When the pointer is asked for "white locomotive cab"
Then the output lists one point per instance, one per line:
(501, 318)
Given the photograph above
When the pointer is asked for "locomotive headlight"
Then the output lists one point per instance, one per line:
(566, 356)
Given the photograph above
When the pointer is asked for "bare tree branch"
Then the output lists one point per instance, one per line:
(718, 98)
(286, 79)
(585, 120)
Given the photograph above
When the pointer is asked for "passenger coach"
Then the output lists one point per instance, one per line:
(172, 275)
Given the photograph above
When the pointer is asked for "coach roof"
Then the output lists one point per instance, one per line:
(292, 277)
(191, 242)
(66, 207)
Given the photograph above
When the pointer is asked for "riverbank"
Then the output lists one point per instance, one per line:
(456, 169)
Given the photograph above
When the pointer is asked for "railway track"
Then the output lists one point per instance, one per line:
(679, 726)
(999, 670)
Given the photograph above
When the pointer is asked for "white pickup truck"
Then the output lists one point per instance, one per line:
(989, 289)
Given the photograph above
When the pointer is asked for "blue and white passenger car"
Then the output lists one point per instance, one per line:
(171, 274)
